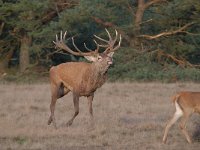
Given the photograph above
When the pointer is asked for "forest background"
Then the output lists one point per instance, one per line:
(161, 38)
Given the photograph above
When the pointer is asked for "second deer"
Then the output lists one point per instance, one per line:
(186, 103)
(81, 78)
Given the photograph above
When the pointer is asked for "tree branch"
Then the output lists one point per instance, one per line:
(50, 14)
(180, 61)
(180, 30)
(101, 22)
(152, 2)
(110, 24)
(1, 27)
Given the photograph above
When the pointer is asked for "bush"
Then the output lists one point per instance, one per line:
(133, 66)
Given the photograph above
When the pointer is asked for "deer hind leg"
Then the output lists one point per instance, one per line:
(176, 116)
(76, 108)
(54, 97)
(183, 125)
(57, 92)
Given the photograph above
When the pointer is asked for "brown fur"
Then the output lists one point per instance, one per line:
(188, 103)
(81, 78)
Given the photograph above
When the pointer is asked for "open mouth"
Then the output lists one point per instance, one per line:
(110, 62)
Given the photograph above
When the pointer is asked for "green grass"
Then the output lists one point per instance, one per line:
(20, 140)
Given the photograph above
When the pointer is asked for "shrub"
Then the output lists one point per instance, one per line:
(131, 65)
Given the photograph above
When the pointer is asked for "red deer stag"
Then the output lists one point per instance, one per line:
(186, 103)
(81, 78)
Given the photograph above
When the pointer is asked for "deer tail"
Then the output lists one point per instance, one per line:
(175, 98)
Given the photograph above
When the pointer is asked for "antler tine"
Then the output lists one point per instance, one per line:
(91, 51)
(56, 38)
(61, 38)
(110, 38)
(116, 35)
(119, 44)
(111, 42)
(97, 49)
(87, 48)
(100, 45)
(100, 38)
(56, 41)
(64, 35)
(75, 46)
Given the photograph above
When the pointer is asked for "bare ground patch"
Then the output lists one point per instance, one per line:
(127, 116)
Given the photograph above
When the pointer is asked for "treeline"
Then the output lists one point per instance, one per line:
(161, 38)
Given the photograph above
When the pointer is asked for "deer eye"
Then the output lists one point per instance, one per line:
(99, 58)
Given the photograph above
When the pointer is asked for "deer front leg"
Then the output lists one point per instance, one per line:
(76, 108)
(91, 121)
(90, 99)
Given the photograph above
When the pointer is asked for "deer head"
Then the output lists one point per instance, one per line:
(92, 55)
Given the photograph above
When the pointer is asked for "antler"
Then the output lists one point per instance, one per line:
(111, 42)
(110, 46)
(59, 43)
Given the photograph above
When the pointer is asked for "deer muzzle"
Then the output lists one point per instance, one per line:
(110, 61)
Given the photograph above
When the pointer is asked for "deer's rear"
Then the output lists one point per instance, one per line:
(186, 103)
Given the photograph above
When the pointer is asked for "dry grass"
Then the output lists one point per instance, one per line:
(127, 116)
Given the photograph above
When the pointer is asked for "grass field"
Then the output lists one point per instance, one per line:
(128, 116)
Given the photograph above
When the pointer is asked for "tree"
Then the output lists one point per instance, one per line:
(176, 28)
(21, 19)
(24, 21)
(167, 28)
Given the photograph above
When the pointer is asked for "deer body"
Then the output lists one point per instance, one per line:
(185, 103)
(81, 78)
(189, 100)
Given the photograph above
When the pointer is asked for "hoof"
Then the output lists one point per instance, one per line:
(69, 123)
(50, 120)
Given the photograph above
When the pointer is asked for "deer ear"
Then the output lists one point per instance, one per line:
(91, 58)
(110, 54)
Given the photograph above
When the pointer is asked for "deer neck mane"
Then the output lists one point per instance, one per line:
(99, 69)
(96, 76)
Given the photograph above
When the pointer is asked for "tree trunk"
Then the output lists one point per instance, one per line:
(24, 52)
(142, 6)
(4, 61)
(137, 24)
(3, 65)
(138, 16)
